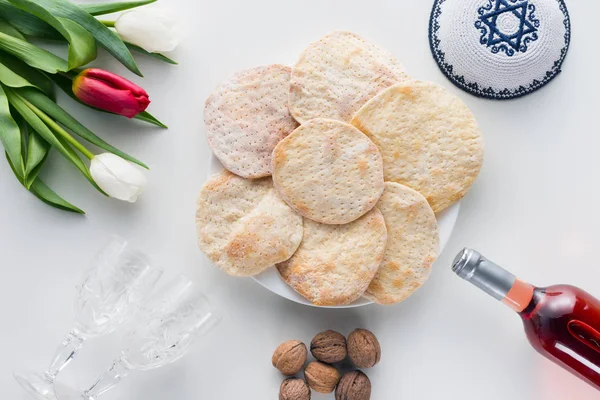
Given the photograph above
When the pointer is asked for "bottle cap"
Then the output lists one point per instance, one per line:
(471, 266)
(465, 262)
(500, 49)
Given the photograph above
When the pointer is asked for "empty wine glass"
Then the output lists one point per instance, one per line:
(161, 333)
(119, 277)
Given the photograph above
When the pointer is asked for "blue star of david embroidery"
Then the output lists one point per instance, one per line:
(447, 45)
(509, 42)
(519, 11)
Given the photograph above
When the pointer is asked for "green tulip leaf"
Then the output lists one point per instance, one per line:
(82, 45)
(23, 132)
(104, 36)
(26, 23)
(32, 55)
(109, 8)
(34, 151)
(158, 56)
(37, 124)
(66, 84)
(10, 135)
(147, 117)
(33, 175)
(37, 152)
(30, 75)
(48, 196)
(44, 131)
(12, 79)
(7, 28)
(57, 113)
(14, 170)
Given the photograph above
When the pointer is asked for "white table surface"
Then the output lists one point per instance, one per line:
(533, 209)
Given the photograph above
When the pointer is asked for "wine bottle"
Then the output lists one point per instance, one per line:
(562, 322)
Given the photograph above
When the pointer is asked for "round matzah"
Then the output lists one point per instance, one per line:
(243, 227)
(246, 116)
(428, 138)
(339, 73)
(335, 263)
(412, 245)
(328, 171)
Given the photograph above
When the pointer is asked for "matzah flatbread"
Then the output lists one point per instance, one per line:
(412, 245)
(243, 226)
(428, 138)
(335, 263)
(339, 73)
(328, 171)
(246, 116)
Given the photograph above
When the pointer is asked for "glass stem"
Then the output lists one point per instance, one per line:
(108, 380)
(64, 354)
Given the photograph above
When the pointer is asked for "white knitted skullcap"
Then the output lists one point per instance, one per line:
(500, 49)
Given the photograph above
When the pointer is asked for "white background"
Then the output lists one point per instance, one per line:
(534, 209)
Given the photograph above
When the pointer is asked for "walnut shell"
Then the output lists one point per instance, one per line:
(321, 377)
(289, 357)
(363, 348)
(329, 347)
(294, 389)
(354, 385)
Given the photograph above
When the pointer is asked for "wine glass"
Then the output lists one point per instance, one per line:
(162, 332)
(119, 277)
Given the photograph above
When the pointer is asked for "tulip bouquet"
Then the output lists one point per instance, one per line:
(31, 121)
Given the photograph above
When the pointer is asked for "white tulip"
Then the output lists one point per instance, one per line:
(152, 29)
(117, 177)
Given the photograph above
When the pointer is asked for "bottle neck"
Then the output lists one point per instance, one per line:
(493, 279)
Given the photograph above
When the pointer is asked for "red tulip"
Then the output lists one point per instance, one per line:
(110, 92)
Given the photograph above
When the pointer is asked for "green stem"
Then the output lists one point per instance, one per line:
(58, 129)
(69, 74)
(108, 24)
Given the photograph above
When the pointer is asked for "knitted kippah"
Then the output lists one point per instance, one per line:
(500, 49)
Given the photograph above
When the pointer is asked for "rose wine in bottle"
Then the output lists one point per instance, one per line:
(562, 322)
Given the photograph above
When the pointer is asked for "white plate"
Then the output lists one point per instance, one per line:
(271, 280)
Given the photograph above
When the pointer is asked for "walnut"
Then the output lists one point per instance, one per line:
(363, 348)
(354, 385)
(289, 357)
(294, 389)
(329, 347)
(321, 377)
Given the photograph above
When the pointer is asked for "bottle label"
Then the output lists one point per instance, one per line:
(519, 296)
(585, 334)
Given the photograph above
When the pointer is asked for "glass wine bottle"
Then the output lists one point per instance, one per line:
(562, 322)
